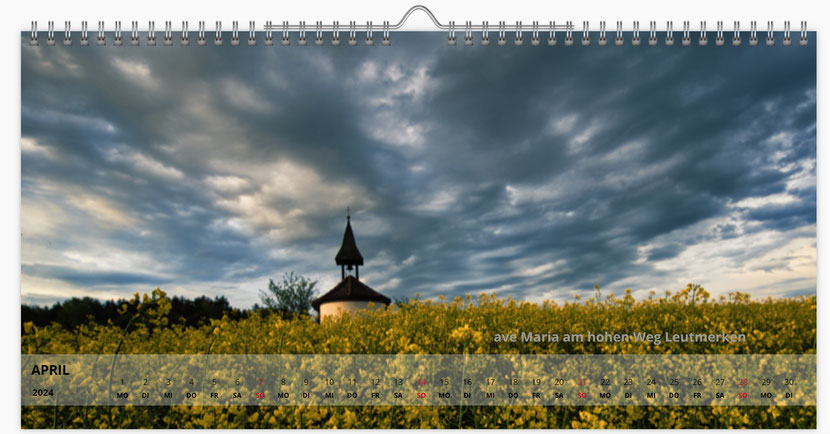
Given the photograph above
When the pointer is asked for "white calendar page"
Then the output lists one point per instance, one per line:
(609, 201)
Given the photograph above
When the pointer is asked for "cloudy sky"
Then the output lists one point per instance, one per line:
(535, 172)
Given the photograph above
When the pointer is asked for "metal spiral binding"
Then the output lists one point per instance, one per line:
(370, 40)
(134, 34)
(652, 33)
(586, 37)
(168, 33)
(468, 33)
(352, 33)
(84, 34)
(618, 40)
(185, 34)
(269, 38)
(50, 33)
(502, 38)
(335, 34)
(318, 36)
(386, 40)
(286, 39)
(635, 38)
(451, 35)
(33, 38)
(234, 32)
(117, 40)
(301, 40)
(67, 33)
(151, 34)
(569, 38)
(102, 37)
(602, 40)
(388, 27)
(201, 40)
(686, 40)
(534, 35)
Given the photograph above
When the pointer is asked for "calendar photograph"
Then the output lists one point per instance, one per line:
(511, 228)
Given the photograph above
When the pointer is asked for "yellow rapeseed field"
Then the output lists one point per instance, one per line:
(461, 325)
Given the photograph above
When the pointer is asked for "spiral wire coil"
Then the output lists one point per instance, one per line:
(469, 28)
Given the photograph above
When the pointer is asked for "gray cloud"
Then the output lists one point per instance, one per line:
(93, 278)
(532, 171)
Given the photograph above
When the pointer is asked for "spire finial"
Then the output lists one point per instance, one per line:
(348, 214)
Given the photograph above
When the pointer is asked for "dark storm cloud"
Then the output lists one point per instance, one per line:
(92, 278)
(665, 252)
(533, 171)
(784, 217)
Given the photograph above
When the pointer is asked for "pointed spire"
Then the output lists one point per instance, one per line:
(348, 254)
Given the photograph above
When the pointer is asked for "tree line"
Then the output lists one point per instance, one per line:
(290, 298)
(75, 311)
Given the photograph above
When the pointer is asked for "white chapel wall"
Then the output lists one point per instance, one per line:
(335, 307)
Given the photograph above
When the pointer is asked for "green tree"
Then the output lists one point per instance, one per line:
(291, 296)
